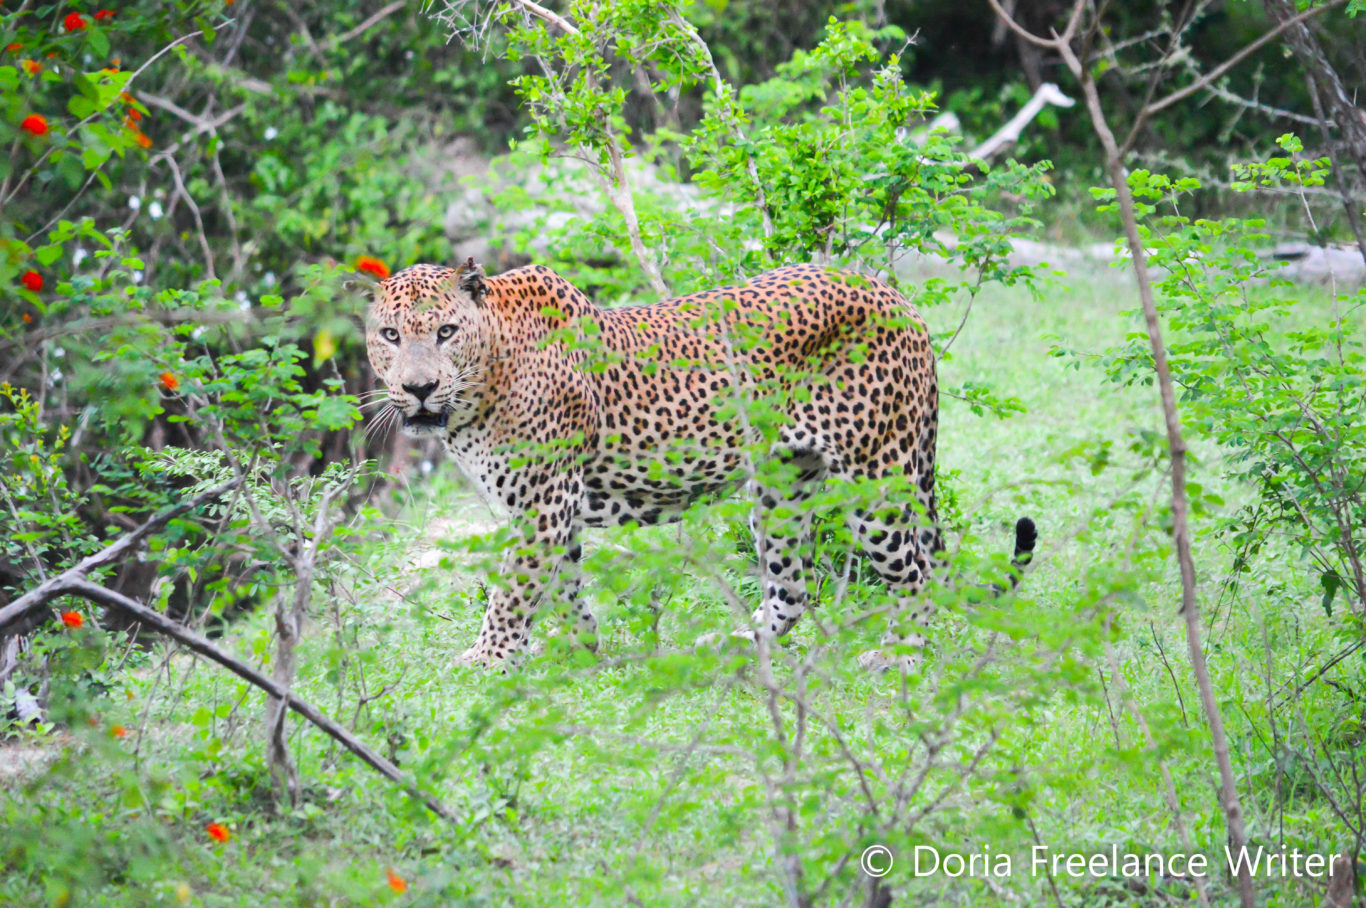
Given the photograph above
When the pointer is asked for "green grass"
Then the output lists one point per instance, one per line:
(642, 778)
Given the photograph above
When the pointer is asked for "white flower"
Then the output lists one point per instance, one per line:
(154, 210)
(271, 132)
(134, 202)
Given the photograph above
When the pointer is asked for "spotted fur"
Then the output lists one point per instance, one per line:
(567, 437)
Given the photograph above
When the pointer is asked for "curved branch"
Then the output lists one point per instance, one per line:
(1183, 93)
(196, 643)
(124, 545)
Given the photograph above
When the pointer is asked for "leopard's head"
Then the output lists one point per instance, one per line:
(430, 339)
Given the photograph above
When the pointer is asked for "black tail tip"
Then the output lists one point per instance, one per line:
(1025, 536)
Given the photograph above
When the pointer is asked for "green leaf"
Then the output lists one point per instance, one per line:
(80, 106)
(1331, 583)
(48, 254)
(85, 86)
(99, 43)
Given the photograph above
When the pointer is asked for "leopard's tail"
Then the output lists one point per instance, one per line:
(1026, 535)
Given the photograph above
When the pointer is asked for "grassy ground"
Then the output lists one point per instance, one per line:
(651, 778)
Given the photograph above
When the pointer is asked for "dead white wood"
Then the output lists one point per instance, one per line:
(1047, 94)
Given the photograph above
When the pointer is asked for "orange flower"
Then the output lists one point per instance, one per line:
(218, 832)
(72, 619)
(104, 14)
(28, 319)
(396, 882)
(118, 731)
(74, 22)
(371, 265)
(134, 114)
(32, 67)
(143, 139)
(169, 381)
(14, 48)
(35, 124)
(127, 98)
(32, 280)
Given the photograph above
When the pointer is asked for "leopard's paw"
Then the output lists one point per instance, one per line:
(877, 661)
(479, 657)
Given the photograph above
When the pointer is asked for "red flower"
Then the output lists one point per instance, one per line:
(118, 731)
(32, 67)
(133, 115)
(74, 22)
(371, 265)
(35, 124)
(218, 832)
(14, 48)
(396, 882)
(104, 14)
(32, 280)
(28, 319)
(169, 381)
(72, 619)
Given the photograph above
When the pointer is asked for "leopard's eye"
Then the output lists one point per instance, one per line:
(389, 334)
(445, 332)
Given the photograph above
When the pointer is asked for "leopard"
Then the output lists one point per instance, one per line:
(635, 427)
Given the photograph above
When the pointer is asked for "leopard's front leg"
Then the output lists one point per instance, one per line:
(551, 502)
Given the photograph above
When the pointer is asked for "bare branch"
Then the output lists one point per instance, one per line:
(369, 23)
(198, 644)
(1251, 48)
(124, 545)
(540, 12)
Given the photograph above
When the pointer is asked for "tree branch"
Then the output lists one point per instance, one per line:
(73, 582)
(1183, 93)
(189, 639)
(124, 545)
(365, 26)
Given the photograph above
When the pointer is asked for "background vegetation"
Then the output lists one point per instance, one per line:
(194, 202)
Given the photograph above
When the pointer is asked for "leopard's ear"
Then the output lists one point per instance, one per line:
(469, 277)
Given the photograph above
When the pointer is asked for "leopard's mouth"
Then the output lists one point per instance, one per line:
(424, 423)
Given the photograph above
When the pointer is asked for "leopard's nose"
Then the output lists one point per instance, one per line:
(420, 391)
